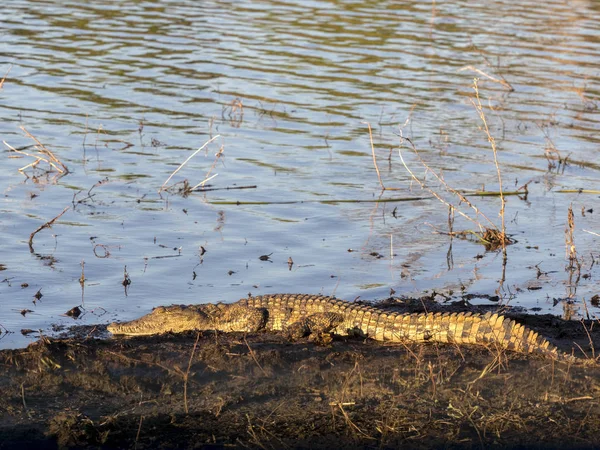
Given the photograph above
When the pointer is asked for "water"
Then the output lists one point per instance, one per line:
(123, 92)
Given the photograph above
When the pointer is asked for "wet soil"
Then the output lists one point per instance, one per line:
(214, 390)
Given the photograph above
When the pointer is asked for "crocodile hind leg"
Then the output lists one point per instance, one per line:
(317, 326)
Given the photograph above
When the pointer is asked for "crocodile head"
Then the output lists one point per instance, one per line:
(163, 320)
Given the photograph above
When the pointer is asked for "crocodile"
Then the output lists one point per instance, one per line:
(321, 316)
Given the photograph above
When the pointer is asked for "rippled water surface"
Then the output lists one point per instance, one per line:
(123, 92)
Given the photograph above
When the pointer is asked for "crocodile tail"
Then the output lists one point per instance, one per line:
(488, 329)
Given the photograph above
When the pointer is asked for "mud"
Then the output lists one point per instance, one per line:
(209, 390)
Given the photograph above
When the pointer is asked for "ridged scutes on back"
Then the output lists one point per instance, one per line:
(490, 329)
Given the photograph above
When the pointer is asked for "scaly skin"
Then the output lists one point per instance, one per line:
(301, 314)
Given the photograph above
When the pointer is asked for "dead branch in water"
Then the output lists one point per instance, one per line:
(502, 81)
(46, 225)
(226, 188)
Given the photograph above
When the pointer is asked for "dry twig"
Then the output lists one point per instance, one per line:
(207, 177)
(570, 250)
(254, 357)
(187, 374)
(5, 75)
(460, 196)
(48, 157)
(46, 225)
(492, 142)
(431, 191)
(162, 188)
(373, 154)
(45, 151)
(502, 81)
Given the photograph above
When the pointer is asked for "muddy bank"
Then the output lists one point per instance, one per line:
(215, 391)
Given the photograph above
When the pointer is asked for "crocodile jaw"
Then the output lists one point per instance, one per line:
(160, 320)
(136, 328)
(177, 319)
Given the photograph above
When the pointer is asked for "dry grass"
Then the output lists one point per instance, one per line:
(570, 249)
(500, 80)
(253, 355)
(207, 177)
(383, 187)
(479, 108)
(574, 266)
(355, 395)
(5, 75)
(164, 186)
(186, 375)
(551, 152)
(374, 157)
(453, 191)
(580, 91)
(44, 154)
(492, 236)
(234, 111)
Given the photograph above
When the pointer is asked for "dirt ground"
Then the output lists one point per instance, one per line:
(216, 391)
